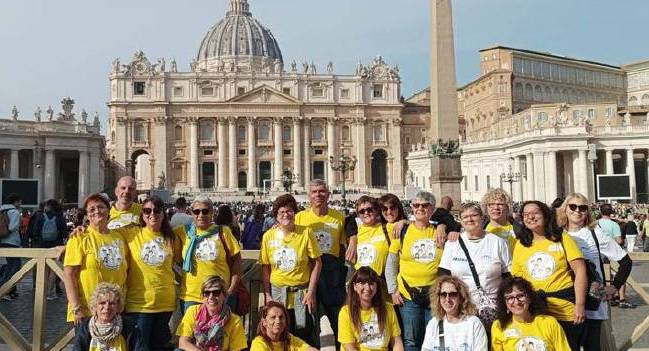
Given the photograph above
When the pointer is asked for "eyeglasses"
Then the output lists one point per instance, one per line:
(575, 207)
(469, 216)
(366, 210)
(147, 210)
(496, 204)
(445, 294)
(518, 297)
(215, 292)
(424, 205)
(388, 208)
(285, 212)
(532, 214)
(203, 211)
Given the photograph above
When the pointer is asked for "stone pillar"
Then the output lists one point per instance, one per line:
(609, 161)
(252, 164)
(307, 152)
(193, 153)
(83, 176)
(15, 164)
(551, 175)
(331, 152)
(361, 167)
(232, 152)
(539, 179)
(581, 174)
(398, 170)
(630, 170)
(50, 176)
(160, 150)
(297, 153)
(277, 164)
(121, 144)
(222, 178)
(518, 186)
(529, 193)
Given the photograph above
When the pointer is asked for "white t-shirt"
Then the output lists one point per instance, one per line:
(608, 247)
(491, 258)
(467, 335)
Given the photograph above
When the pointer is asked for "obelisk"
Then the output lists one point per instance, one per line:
(444, 129)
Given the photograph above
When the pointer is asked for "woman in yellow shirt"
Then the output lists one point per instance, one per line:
(547, 258)
(211, 325)
(99, 255)
(522, 323)
(366, 322)
(373, 240)
(497, 204)
(272, 331)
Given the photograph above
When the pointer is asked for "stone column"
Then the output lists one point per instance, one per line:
(307, 152)
(398, 171)
(581, 174)
(518, 186)
(551, 175)
(361, 167)
(539, 169)
(15, 164)
(252, 164)
(193, 153)
(232, 152)
(529, 193)
(222, 180)
(297, 152)
(83, 176)
(630, 170)
(331, 151)
(609, 161)
(121, 144)
(50, 175)
(160, 150)
(277, 165)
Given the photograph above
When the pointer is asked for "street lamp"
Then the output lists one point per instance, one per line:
(511, 178)
(288, 179)
(344, 164)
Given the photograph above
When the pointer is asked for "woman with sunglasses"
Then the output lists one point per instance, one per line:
(411, 269)
(211, 325)
(548, 258)
(272, 331)
(97, 254)
(291, 265)
(207, 250)
(575, 217)
(391, 210)
(522, 322)
(366, 322)
(497, 204)
(454, 317)
(373, 239)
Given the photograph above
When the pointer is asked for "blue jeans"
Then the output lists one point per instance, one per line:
(415, 318)
(154, 328)
(9, 269)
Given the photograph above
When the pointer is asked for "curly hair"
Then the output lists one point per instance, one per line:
(495, 194)
(284, 337)
(366, 275)
(111, 290)
(286, 200)
(550, 229)
(562, 216)
(536, 305)
(467, 308)
(393, 200)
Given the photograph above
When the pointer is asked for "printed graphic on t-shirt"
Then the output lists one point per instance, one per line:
(110, 256)
(153, 252)
(423, 250)
(96, 345)
(123, 220)
(206, 250)
(541, 265)
(285, 258)
(530, 343)
(371, 336)
(324, 239)
(366, 254)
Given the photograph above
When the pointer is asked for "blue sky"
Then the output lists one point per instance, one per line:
(51, 49)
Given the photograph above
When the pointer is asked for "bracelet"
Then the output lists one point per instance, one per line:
(76, 309)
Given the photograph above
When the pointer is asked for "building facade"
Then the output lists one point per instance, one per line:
(242, 120)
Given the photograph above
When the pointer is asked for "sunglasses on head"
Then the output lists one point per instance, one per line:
(367, 210)
(451, 294)
(575, 207)
(215, 292)
(148, 210)
(203, 211)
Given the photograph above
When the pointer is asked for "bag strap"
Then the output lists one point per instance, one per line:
(599, 255)
(440, 327)
(225, 246)
(476, 278)
(404, 231)
(385, 233)
(565, 255)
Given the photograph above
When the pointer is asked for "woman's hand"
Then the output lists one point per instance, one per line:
(610, 291)
(309, 301)
(267, 298)
(79, 231)
(397, 299)
(79, 316)
(580, 314)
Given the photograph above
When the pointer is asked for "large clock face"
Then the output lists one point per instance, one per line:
(140, 67)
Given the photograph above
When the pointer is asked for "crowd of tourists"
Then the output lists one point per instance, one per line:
(392, 275)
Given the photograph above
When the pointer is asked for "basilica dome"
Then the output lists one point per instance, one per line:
(239, 43)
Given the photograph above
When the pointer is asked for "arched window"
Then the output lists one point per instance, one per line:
(316, 132)
(346, 135)
(263, 132)
(518, 90)
(178, 133)
(633, 101)
(286, 133)
(529, 92)
(139, 133)
(645, 99)
(548, 94)
(206, 131)
(538, 93)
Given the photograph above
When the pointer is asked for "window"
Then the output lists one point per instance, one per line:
(609, 112)
(178, 133)
(317, 92)
(178, 91)
(592, 114)
(286, 133)
(317, 132)
(377, 91)
(241, 90)
(318, 152)
(207, 91)
(488, 182)
(264, 131)
(346, 135)
(286, 91)
(241, 134)
(344, 93)
(466, 183)
(379, 134)
(287, 152)
(139, 133)
(208, 152)
(206, 131)
(242, 152)
(542, 116)
(475, 180)
(138, 88)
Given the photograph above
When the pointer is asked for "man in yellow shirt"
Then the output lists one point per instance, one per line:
(124, 211)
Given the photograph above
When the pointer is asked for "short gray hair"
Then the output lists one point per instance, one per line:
(426, 196)
(203, 199)
(107, 289)
(318, 182)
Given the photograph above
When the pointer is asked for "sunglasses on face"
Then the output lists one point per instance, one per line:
(519, 298)
(575, 207)
(445, 294)
(203, 211)
(215, 292)
(147, 210)
(367, 210)
(388, 208)
(424, 205)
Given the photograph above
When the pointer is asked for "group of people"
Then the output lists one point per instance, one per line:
(487, 282)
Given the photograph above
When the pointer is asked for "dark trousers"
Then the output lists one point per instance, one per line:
(154, 328)
(10, 268)
(592, 335)
(308, 333)
(574, 333)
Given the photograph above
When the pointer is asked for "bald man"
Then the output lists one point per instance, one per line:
(124, 211)
(442, 215)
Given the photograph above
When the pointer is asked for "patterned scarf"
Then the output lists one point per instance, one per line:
(103, 334)
(209, 333)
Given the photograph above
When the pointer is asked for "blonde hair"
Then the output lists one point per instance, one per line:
(496, 194)
(111, 290)
(467, 308)
(562, 217)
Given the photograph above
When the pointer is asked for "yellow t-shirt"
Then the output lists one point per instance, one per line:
(504, 232)
(372, 248)
(209, 259)
(117, 344)
(543, 333)
(370, 338)
(235, 336)
(418, 259)
(544, 265)
(101, 258)
(119, 218)
(288, 255)
(295, 344)
(150, 280)
(327, 229)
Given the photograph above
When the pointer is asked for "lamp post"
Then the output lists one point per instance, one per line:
(511, 178)
(344, 164)
(288, 179)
